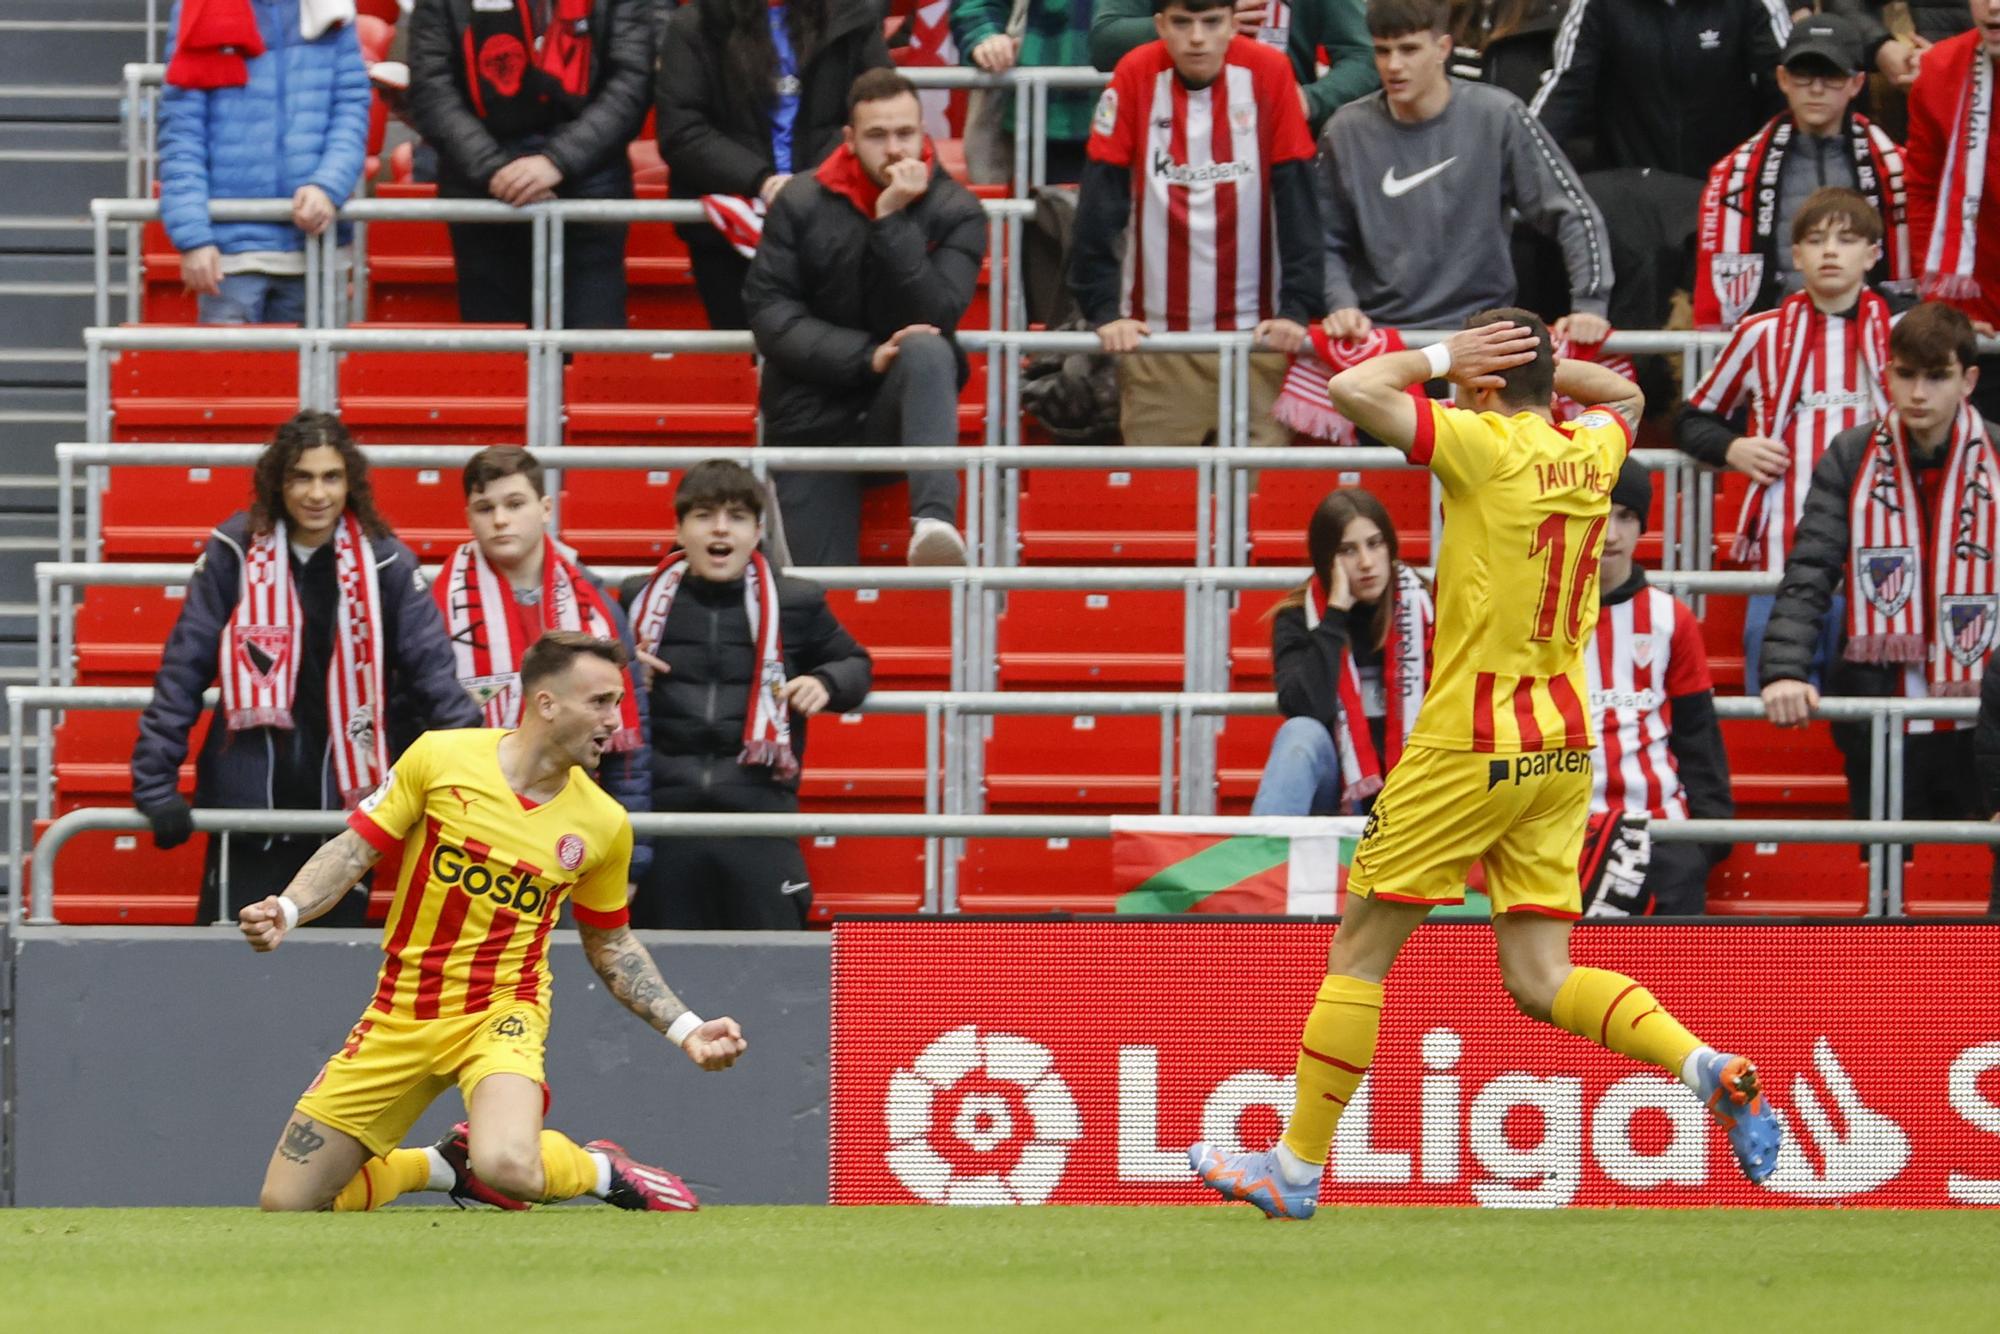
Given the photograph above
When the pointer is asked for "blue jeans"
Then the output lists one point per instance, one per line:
(255, 298)
(1302, 776)
(1757, 615)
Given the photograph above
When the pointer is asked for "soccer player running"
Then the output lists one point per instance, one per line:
(498, 828)
(1498, 766)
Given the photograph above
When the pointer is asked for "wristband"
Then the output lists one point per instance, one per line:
(289, 911)
(1440, 358)
(678, 1030)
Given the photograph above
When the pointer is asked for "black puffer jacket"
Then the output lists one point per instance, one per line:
(1986, 740)
(1816, 570)
(829, 285)
(1305, 663)
(716, 137)
(1670, 86)
(698, 707)
(620, 79)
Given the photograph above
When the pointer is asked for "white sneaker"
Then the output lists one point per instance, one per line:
(935, 542)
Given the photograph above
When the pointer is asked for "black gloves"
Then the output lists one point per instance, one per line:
(173, 822)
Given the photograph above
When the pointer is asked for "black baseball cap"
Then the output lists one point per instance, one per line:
(1825, 40)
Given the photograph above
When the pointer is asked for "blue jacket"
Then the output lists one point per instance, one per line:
(301, 120)
(235, 770)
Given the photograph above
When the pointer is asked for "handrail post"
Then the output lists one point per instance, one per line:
(1877, 802)
(1893, 898)
(933, 804)
(1167, 763)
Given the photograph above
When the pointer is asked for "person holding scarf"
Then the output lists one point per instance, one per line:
(1350, 654)
(1802, 373)
(1904, 515)
(734, 658)
(1753, 194)
(865, 269)
(524, 102)
(312, 617)
(499, 593)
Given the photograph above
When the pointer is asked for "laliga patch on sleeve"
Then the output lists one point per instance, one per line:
(1596, 417)
(380, 794)
(1106, 119)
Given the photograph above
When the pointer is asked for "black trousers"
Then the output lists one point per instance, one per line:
(1938, 781)
(915, 406)
(718, 277)
(496, 261)
(261, 866)
(724, 884)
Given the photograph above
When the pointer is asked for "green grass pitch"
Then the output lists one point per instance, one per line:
(799, 1269)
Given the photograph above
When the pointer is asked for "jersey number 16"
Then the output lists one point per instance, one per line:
(1552, 543)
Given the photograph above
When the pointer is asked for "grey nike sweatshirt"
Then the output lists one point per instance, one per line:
(1417, 217)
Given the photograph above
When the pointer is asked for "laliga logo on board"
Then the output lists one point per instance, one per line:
(981, 1121)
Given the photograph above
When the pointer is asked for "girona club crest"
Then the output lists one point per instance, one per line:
(569, 851)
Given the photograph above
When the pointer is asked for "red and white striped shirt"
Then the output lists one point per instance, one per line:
(1203, 251)
(1647, 651)
(1836, 383)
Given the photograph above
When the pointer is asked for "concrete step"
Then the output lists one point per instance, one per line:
(18, 555)
(32, 421)
(56, 170)
(30, 493)
(82, 52)
(49, 300)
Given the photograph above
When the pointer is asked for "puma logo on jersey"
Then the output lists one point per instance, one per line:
(1396, 187)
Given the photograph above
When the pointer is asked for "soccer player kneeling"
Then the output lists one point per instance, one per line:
(1497, 768)
(498, 827)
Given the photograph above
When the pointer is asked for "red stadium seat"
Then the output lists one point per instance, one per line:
(1107, 518)
(1240, 752)
(162, 299)
(660, 290)
(412, 278)
(119, 632)
(1781, 773)
(1250, 640)
(1084, 763)
(202, 397)
(120, 879)
(1283, 500)
(864, 875)
(1033, 875)
(1061, 640)
(864, 762)
(907, 632)
(1793, 879)
(1948, 879)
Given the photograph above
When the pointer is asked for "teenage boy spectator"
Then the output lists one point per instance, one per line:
(1659, 747)
(865, 269)
(1200, 145)
(1754, 193)
(499, 592)
(235, 71)
(1300, 31)
(751, 92)
(1418, 183)
(1055, 33)
(1788, 382)
(738, 658)
(1884, 520)
(316, 621)
(526, 102)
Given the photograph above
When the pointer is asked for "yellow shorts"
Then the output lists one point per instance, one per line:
(1442, 810)
(391, 1068)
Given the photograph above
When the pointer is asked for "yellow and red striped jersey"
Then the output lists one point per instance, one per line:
(484, 875)
(1525, 504)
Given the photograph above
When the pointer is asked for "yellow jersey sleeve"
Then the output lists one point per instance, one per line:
(386, 816)
(1608, 430)
(1459, 447)
(599, 898)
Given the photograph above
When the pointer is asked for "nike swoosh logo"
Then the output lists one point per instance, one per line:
(1396, 189)
(787, 887)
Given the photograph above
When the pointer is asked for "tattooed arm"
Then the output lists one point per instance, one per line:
(336, 868)
(629, 971)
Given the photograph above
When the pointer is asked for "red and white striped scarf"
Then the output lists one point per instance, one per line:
(738, 219)
(767, 723)
(1783, 365)
(1405, 674)
(1304, 403)
(261, 651)
(1736, 246)
(1954, 239)
(1905, 605)
(475, 602)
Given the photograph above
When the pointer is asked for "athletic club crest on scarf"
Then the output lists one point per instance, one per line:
(1925, 592)
(260, 653)
(1406, 672)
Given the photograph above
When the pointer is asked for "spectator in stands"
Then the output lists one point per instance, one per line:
(864, 272)
(1350, 655)
(1302, 32)
(738, 658)
(1898, 58)
(1894, 517)
(1754, 193)
(751, 93)
(524, 103)
(1052, 33)
(499, 592)
(1417, 186)
(1789, 382)
(1956, 235)
(1509, 43)
(1202, 221)
(1986, 761)
(330, 655)
(236, 71)
(1659, 747)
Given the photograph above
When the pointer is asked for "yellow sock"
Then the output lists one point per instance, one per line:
(381, 1180)
(1334, 1053)
(567, 1170)
(1613, 1011)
